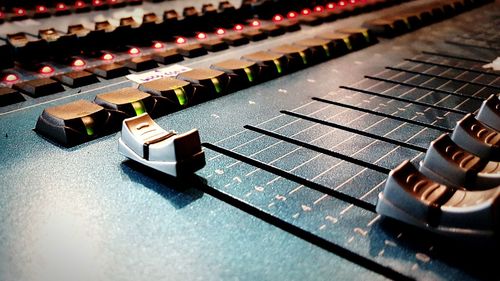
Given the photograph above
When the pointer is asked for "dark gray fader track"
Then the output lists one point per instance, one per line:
(316, 130)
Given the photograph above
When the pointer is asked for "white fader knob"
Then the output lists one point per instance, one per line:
(144, 141)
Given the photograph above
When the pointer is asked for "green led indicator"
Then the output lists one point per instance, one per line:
(88, 122)
(181, 95)
(407, 23)
(90, 131)
(348, 43)
(327, 50)
(139, 107)
(278, 66)
(367, 36)
(249, 74)
(217, 86)
(303, 56)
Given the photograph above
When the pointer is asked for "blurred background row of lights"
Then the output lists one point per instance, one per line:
(81, 4)
(80, 63)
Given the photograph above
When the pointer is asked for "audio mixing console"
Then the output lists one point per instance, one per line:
(249, 140)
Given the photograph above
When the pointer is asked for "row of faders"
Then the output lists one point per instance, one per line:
(456, 189)
(82, 120)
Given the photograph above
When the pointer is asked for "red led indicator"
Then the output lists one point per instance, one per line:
(79, 4)
(20, 12)
(238, 27)
(342, 3)
(180, 40)
(78, 63)
(220, 31)
(1, 15)
(61, 6)
(46, 70)
(291, 15)
(330, 6)
(201, 36)
(112, 1)
(318, 9)
(41, 9)
(10, 78)
(96, 2)
(255, 23)
(108, 57)
(134, 51)
(305, 12)
(353, 2)
(158, 45)
(277, 18)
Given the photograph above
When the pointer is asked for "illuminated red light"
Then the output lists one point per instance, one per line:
(20, 12)
(134, 51)
(79, 4)
(41, 9)
(2, 15)
(220, 31)
(353, 2)
(96, 2)
(201, 36)
(10, 78)
(342, 3)
(180, 40)
(78, 63)
(291, 15)
(305, 12)
(46, 70)
(277, 18)
(330, 6)
(61, 6)
(255, 23)
(112, 1)
(238, 27)
(158, 45)
(318, 9)
(107, 57)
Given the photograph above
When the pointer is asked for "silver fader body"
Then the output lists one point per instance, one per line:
(447, 163)
(144, 141)
(476, 138)
(411, 197)
(489, 113)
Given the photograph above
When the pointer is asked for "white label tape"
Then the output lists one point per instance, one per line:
(169, 71)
